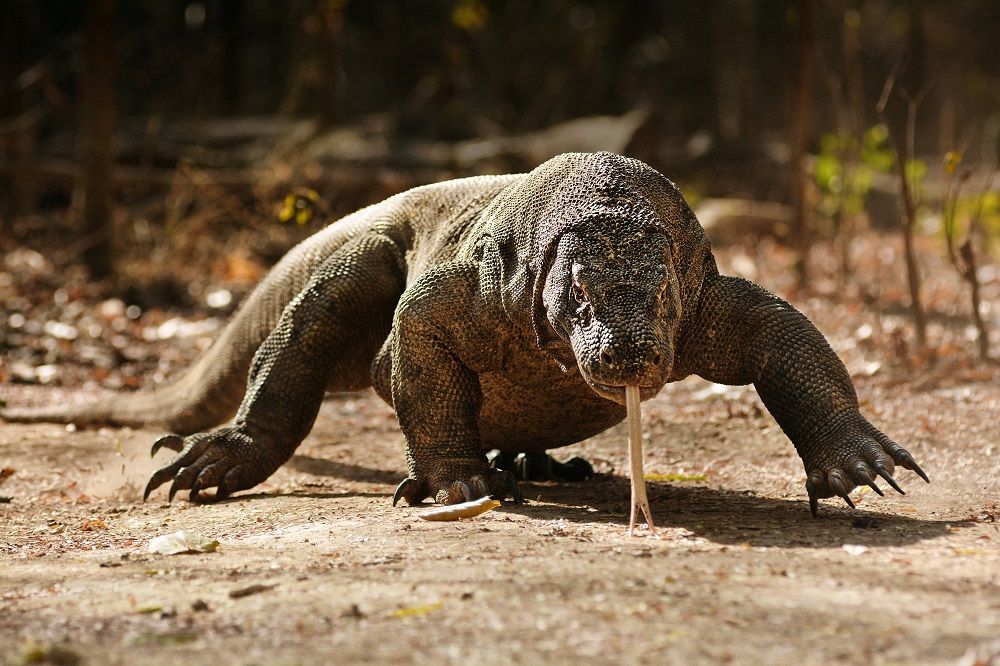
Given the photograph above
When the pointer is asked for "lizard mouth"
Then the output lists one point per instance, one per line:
(616, 392)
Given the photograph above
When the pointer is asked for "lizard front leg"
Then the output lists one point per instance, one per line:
(440, 346)
(742, 334)
(330, 330)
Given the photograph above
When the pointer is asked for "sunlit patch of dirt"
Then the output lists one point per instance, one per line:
(315, 565)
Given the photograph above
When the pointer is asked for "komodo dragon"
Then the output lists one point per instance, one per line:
(498, 312)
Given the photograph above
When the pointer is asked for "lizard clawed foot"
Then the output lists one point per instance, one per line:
(869, 453)
(540, 466)
(227, 459)
(492, 483)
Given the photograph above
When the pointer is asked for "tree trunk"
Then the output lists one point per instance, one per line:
(971, 276)
(234, 52)
(908, 219)
(12, 31)
(98, 138)
(802, 91)
(314, 68)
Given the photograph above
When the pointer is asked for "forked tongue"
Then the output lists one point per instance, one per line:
(639, 500)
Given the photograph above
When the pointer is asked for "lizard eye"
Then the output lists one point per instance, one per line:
(578, 293)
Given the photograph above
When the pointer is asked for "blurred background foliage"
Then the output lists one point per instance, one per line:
(157, 142)
(456, 69)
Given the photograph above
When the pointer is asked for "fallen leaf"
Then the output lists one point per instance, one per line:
(250, 589)
(674, 476)
(182, 541)
(93, 524)
(967, 551)
(162, 639)
(416, 611)
(36, 653)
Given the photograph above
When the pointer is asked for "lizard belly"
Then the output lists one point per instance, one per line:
(553, 409)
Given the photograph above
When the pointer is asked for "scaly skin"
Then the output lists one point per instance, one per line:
(504, 312)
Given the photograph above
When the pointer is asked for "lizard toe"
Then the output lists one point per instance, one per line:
(195, 446)
(862, 474)
(456, 493)
(462, 485)
(899, 455)
(479, 487)
(228, 459)
(214, 475)
(237, 478)
(182, 481)
(856, 458)
(414, 491)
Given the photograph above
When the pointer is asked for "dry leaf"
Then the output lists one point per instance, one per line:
(93, 524)
(416, 611)
(182, 541)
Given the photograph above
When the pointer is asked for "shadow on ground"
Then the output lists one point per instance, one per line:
(719, 515)
(346, 471)
(735, 517)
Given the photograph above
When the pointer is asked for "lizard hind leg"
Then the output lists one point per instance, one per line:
(326, 337)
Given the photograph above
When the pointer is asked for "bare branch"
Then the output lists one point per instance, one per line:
(890, 83)
(909, 208)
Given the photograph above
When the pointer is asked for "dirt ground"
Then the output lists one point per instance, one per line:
(741, 573)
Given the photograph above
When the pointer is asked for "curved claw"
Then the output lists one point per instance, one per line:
(193, 496)
(884, 473)
(172, 442)
(900, 456)
(837, 485)
(150, 487)
(465, 490)
(907, 461)
(479, 486)
(401, 488)
(863, 474)
(513, 488)
(811, 490)
(175, 486)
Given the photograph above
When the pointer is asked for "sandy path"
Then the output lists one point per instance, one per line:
(742, 573)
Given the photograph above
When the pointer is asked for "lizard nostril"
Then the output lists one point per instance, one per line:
(656, 358)
(607, 358)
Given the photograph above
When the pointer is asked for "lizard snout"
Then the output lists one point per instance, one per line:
(633, 360)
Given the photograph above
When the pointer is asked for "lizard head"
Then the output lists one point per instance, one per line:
(615, 254)
(613, 295)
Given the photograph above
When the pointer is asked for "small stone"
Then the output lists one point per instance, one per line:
(355, 612)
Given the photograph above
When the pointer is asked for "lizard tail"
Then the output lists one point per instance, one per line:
(203, 396)
(211, 390)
